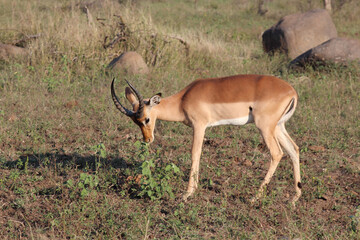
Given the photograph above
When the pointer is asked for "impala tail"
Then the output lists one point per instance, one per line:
(289, 111)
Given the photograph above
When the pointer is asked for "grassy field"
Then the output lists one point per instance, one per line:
(73, 167)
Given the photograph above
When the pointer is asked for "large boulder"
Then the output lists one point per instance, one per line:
(295, 34)
(8, 52)
(130, 63)
(335, 50)
(90, 4)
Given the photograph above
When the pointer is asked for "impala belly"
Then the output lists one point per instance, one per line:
(234, 121)
(231, 114)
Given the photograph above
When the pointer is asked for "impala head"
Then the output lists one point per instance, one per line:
(141, 113)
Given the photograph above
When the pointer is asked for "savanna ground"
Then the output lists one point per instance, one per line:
(73, 167)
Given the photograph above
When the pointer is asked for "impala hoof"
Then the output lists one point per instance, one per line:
(253, 200)
(186, 196)
(294, 200)
(256, 198)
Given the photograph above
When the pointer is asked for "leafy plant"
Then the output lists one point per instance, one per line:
(355, 222)
(100, 152)
(142, 150)
(156, 180)
(85, 186)
(20, 164)
(320, 187)
(155, 176)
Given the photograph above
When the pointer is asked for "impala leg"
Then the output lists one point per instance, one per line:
(276, 155)
(293, 150)
(198, 139)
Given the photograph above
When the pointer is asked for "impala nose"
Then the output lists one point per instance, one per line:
(148, 140)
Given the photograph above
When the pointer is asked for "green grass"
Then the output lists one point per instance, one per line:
(72, 166)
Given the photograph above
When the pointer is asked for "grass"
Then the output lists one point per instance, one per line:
(71, 166)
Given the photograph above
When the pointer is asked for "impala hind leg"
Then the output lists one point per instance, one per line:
(276, 155)
(198, 138)
(293, 150)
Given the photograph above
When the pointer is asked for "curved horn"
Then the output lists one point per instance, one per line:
(117, 103)
(140, 98)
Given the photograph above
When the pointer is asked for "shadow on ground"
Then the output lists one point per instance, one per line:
(63, 160)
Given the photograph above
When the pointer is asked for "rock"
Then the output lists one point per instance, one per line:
(129, 62)
(335, 50)
(247, 163)
(8, 52)
(90, 4)
(71, 104)
(316, 148)
(13, 118)
(295, 34)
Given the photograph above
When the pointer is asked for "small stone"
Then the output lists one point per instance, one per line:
(247, 163)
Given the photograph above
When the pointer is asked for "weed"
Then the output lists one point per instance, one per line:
(355, 222)
(320, 188)
(23, 165)
(155, 176)
(101, 153)
(84, 187)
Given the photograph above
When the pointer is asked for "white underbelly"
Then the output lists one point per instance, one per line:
(233, 121)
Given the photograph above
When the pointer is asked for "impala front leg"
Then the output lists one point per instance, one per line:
(198, 137)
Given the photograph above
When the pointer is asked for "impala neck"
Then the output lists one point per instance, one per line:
(170, 109)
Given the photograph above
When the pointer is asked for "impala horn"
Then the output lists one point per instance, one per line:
(140, 98)
(117, 103)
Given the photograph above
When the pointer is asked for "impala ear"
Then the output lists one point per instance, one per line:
(132, 98)
(155, 100)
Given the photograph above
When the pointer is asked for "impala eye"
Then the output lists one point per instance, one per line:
(147, 120)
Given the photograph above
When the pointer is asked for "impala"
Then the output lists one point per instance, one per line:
(266, 101)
